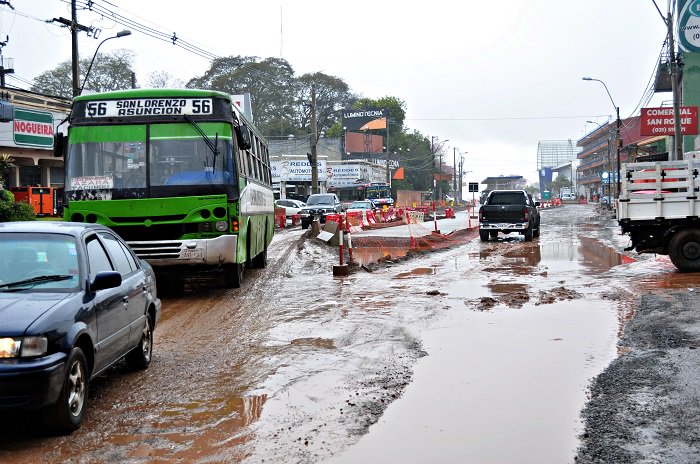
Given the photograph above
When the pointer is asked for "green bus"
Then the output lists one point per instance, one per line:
(181, 174)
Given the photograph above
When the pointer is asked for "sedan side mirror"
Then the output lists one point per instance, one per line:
(106, 279)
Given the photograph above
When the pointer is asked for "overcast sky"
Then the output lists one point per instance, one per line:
(493, 78)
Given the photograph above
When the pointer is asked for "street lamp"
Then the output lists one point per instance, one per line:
(618, 142)
(123, 33)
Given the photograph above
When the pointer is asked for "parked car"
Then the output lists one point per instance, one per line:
(318, 206)
(360, 205)
(291, 207)
(74, 300)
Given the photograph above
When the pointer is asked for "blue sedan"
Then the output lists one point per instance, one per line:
(74, 300)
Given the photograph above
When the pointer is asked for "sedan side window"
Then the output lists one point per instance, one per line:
(98, 260)
(117, 253)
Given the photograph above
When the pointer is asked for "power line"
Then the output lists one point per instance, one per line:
(514, 118)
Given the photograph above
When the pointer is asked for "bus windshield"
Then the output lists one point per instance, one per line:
(375, 192)
(130, 165)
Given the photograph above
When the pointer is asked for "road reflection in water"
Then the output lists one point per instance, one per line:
(529, 355)
(185, 432)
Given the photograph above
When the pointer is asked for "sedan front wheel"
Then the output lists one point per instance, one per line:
(66, 415)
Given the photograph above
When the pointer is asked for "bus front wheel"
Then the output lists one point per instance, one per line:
(233, 275)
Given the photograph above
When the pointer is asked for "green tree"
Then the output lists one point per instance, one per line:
(110, 71)
(270, 82)
(163, 80)
(7, 162)
(559, 183)
(332, 95)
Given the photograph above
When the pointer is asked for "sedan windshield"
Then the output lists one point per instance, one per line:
(42, 261)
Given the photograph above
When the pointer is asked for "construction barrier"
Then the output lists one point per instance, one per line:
(334, 218)
(414, 217)
(280, 217)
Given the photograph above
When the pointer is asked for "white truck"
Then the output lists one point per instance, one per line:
(659, 207)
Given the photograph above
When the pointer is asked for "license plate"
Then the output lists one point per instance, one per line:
(191, 254)
(502, 226)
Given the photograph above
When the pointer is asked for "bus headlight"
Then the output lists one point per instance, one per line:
(221, 226)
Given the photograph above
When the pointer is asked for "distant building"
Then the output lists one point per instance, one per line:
(556, 157)
(504, 183)
(291, 169)
(28, 139)
(598, 160)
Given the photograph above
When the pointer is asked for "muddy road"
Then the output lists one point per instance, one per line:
(481, 352)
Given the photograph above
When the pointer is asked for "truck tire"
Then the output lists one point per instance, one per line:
(528, 233)
(684, 250)
(484, 235)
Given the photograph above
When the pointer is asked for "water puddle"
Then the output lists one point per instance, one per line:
(185, 432)
(421, 271)
(504, 369)
(369, 255)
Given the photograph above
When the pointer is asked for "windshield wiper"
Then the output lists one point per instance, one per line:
(213, 146)
(37, 280)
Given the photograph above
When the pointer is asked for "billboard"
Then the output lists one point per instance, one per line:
(689, 25)
(33, 128)
(296, 170)
(367, 119)
(545, 179)
(659, 121)
(356, 142)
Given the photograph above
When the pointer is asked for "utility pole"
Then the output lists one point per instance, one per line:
(314, 141)
(74, 29)
(461, 171)
(432, 154)
(677, 153)
(440, 178)
(618, 145)
(454, 171)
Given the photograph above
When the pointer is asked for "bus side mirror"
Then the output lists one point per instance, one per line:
(59, 145)
(243, 137)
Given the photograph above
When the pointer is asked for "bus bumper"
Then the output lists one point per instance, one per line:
(210, 251)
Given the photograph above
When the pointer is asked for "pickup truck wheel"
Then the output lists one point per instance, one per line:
(684, 250)
(528, 234)
(536, 232)
(493, 234)
(484, 235)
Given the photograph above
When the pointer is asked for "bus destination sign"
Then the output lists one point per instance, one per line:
(148, 107)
